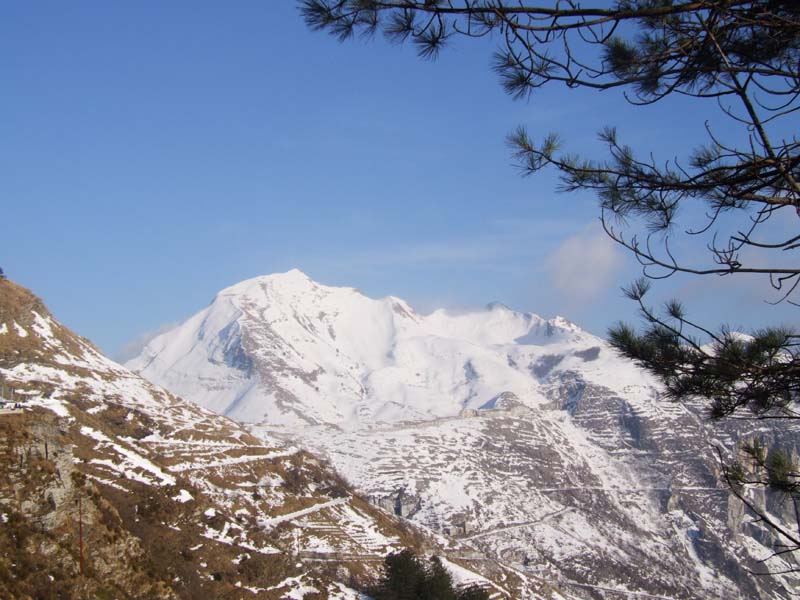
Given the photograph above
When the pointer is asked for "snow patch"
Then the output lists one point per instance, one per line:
(183, 497)
(272, 521)
(130, 459)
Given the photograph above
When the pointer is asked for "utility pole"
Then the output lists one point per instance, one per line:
(80, 531)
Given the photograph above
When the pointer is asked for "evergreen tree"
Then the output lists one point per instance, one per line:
(743, 56)
(473, 592)
(403, 576)
(406, 577)
(438, 583)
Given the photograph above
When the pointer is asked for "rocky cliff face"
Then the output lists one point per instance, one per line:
(525, 437)
(111, 487)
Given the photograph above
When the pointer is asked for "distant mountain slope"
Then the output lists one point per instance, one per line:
(525, 437)
(173, 500)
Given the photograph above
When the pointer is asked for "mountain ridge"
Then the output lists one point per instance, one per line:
(334, 336)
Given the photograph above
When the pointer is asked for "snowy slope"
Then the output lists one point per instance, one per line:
(527, 437)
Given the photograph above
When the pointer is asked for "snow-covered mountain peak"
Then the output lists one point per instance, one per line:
(285, 349)
(277, 286)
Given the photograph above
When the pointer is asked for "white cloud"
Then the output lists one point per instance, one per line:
(584, 266)
(132, 348)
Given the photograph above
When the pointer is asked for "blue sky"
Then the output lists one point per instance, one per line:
(153, 153)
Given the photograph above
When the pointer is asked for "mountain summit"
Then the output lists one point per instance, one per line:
(283, 349)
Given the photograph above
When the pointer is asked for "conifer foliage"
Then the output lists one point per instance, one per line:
(407, 577)
(739, 184)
